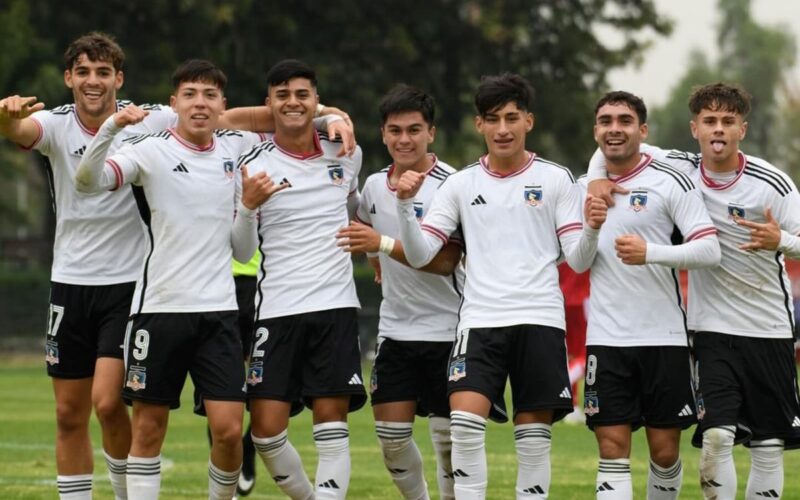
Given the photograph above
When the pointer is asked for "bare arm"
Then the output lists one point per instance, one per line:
(15, 121)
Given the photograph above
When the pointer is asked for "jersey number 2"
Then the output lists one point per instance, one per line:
(262, 334)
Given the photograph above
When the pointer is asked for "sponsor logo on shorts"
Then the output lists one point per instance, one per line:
(373, 382)
(566, 393)
(255, 374)
(686, 411)
(51, 353)
(533, 195)
(336, 173)
(137, 378)
(638, 200)
(355, 380)
(796, 421)
(591, 403)
(457, 370)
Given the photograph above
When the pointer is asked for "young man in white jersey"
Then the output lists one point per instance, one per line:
(183, 315)
(516, 213)
(419, 311)
(305, 348)
(637, 366)
(741, 311)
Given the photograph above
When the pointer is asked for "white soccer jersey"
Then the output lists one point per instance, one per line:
(511, 226)
(624, 297)
(749, 293)
(416, 305)
(188, 199)
(98, 238)
(302, 270)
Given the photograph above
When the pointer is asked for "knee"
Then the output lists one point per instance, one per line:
(109, 410)
(228, 436)
(613, 447)
(148, 433)
(266, 428)
(767, 455)
(664, 457)
(718, 442)
(72, 417)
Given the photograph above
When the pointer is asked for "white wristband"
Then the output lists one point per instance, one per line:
(387, 245)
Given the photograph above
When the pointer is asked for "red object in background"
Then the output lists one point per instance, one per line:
(575, 288)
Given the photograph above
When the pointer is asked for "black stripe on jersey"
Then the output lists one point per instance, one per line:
(151, 107)
(48, 170)
(772, 178)
(226, 132)
(562, 167)
(144, 213)
(323, 136)
(253, 152)
(684, 156)
(455, 284)
(136, 139)
(787, 298)
(64, 109)
(123, 103)
(680, 301)
(262, 265)
(439, 173)
(682, 179)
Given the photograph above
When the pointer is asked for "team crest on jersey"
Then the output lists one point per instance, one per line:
(533, 195)
(255, 374)
(638, 200)
(336, 173)
(418, 209)
(591, 403)
(137, 378)
(51, 353)
(735, 211)
(227, 165)
(458, 369)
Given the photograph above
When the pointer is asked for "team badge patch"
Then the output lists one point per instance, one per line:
(137, 378)
(457, 370)
(373, 381)
(735, 211)
(701, 407)
(418, 209)
(255, 374)
(591, 404)
(638, 200)
(227, 166)
(51, 353)
(336, 173)
(533, 195)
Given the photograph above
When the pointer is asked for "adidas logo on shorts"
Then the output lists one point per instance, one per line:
(566, 394)
(355, 380)
(686, 411)
(796, 421)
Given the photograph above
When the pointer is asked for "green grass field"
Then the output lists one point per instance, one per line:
(27, 464)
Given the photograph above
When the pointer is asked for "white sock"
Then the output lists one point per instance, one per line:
(333, 469)
(116, 475)
(533, 458)
(144, 477)
(439, 428)
(468, 434)
(402, 458)
(717, 472)
(614, 479)
(766, 470)
(664, 483)
(78, 487)
(221, 484)
(284, 465)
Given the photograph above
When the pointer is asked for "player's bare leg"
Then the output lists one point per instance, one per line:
(115, 424)
(269, 420)
(614, 469)
(225, 425)
(74, 462)
(469, 411)
(332, 438)
(666, 471)
(532, 437)
(394, 424)
(148, 429)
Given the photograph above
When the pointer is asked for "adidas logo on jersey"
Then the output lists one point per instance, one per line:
(79, 151)
(796, 422)
(372, 210)
(478, 201)
(355, 380)
(686, 411)
(566, 394)
(330, 483)
(286, 182)
(534, 490)
(181, 168)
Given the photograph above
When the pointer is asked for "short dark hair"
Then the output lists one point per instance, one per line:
(497, 90)
(405, 98)
(199, 70)
(97, 46)
(720, 97)
(287, 69)
(621, 97)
